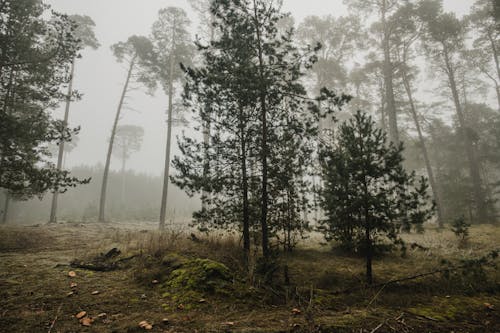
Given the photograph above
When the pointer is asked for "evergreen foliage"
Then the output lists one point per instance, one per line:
(36, 51)
(261, 122)
(368, 197)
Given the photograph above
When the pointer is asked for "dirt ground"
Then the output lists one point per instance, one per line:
(37, 295)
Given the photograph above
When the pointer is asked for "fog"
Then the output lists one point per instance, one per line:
(334, 172)
(100, 78)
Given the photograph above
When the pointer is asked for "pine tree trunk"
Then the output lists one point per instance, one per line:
(497, 90)
(102, 203)
(246, 206)
(164, 197)
(430, 172)
(479, 197)
(369, 256)
(55, 195)
(388, 79)
(6, 205)
(206, 133)
(264, 147)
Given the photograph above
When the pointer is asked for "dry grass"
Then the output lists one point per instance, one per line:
(32, 288)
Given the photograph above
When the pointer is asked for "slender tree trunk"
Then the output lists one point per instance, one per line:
(368, 239)
(479, 197)
(60, 156)
(206, 132)
(369, 256)
(6, 208)
(246, 206)
(383, 122)
(495, 55)
(388, 80)
(264, 134)
(497, 90)
(430, 172)
(102, 203)
(124, 161)
(164, 197)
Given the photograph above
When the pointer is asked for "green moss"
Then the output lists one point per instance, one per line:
(202, 275)
(443, 310)
(191, 280)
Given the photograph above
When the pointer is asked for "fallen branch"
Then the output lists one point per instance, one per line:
(101, 266)
(377, 328)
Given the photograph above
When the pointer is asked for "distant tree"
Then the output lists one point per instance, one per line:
(382, 41)
(486, 46)
(137, 52)
(173, 46)
(369, 88)
(84, 33)
(36, 52)
(368, 196)
(408, 28)
(339, 38)
(128, 141)
(444, 41)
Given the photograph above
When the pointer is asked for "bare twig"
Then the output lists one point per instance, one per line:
(55, 319)
(377, 328)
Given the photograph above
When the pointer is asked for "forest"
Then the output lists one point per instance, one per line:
(246, 166)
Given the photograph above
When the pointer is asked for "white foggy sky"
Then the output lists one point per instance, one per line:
(100, 78)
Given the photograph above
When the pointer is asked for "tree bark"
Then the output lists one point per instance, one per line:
(246, 206)
(264, 134)
(102, 203)
(474, 170)
(164, 197)
(388, 79)
(430, 172)
(55, 195)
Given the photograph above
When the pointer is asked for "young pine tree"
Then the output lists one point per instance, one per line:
(368, 196)
(248, 91)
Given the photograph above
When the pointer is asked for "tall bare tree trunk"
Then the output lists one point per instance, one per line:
(102, 203)
(164, 197)
(264, 147)
(474, 169)
(244, 180)
(55, 195)
(428, 166)
(388, 80)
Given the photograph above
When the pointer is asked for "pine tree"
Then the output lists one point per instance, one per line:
(84, 33)
(249, 90)
(172, 47)
(137, 53)
(368, 196)
(36, 53)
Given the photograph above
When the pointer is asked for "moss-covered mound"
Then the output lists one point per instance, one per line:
(202, 275)
(190, 281)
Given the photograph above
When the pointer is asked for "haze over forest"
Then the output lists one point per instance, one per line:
(100, 77)
(250, 166)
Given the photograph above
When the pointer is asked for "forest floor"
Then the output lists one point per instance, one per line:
(37, 293)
